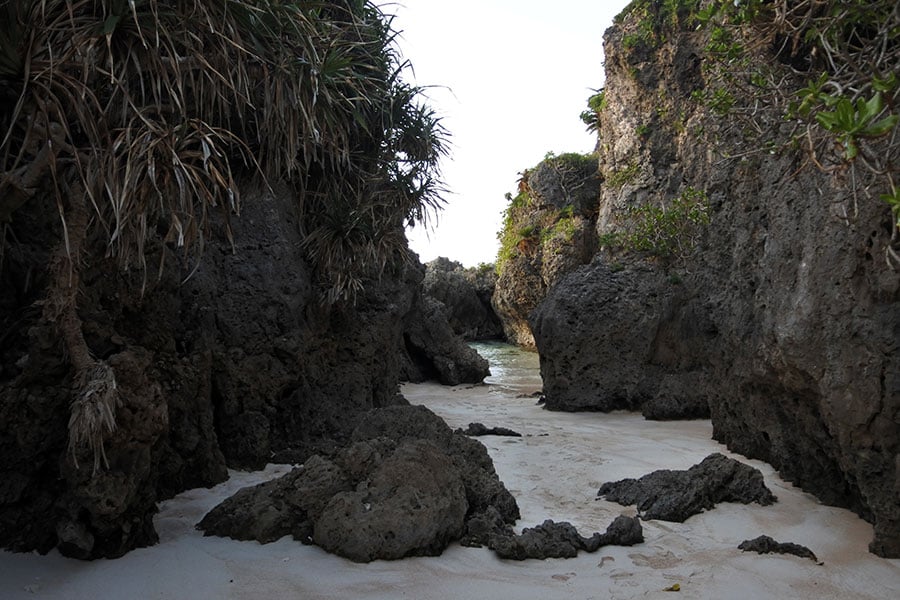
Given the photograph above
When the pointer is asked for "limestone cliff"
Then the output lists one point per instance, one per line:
(239, 366)
(548, 231)
(779, 309)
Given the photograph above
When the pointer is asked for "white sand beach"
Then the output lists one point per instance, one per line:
(554, 471)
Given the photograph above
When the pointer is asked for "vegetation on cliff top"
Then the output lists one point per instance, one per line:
(526, 225)
(829, 69)
(141, 118)
(848, 53)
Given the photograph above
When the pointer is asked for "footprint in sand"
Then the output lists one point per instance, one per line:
(658, 561)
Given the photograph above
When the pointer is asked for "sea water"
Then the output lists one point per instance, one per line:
(513, 369)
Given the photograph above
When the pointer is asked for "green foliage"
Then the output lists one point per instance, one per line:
(667, 232)
(511, 234)
(484, 268)
(893, 200)
(563, 228)
(619, 178)
(159, 109)
(528, 232)
(591, 117)
(654, 19)
(850, 122)
(847, 113)
(524, 225)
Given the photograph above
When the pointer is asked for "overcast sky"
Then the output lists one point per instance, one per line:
(511, 77)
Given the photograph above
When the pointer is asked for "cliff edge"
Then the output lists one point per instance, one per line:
(748, 250)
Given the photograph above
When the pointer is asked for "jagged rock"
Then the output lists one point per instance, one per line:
(484, 526)
(407, 485)
(766, 545)
(413, 504)
(283, 506)
(801, 367)
(432, 351)
(483, 487)
(623, 531)
(784, 319)
(466, 296)
(562, 540)
(559, 213)
(677, 495)
(236, 366)
(477, 429)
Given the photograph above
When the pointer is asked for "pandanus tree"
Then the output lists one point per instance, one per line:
(141, 119)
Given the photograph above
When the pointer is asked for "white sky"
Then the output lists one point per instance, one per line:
(512, 77)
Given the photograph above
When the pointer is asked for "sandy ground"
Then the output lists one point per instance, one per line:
(554, 472)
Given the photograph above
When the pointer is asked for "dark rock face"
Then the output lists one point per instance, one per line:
(238, 366)
(484, 489)
(677, 495)
(557, 207)
(406, 486)
(766, 545)
(562, 540)
(787, 320)
(432, 351)
(466, 296)
(413, 504)
(606, 341)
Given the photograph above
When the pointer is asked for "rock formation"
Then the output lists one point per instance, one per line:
(562, 540)
(766, 545)
(677, 495)
(238, 366)
(466, 296)
(479, 429)
(430, 349)
(406, 485)
(780, 314)
(549, 230)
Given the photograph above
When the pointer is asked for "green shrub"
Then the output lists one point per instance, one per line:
(667, 232)
(617, 179)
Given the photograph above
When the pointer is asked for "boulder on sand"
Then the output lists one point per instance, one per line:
(676, 495)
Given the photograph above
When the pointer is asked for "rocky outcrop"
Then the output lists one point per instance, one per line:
(239, 365)
(548, 232)
(466, 296)
(406, 486)
(785, 317)
(677, 495)
(644, 358)
(430, 349)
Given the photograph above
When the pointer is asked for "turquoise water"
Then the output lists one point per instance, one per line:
(512, 368)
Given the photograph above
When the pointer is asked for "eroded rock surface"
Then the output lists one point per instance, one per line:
(766, 545)
(617, 338)
(466, 296)
(550, 232)
(677, 495)
(238, 366)
(407, 485)
(432, 351)
(562, 540)
(783, 318)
